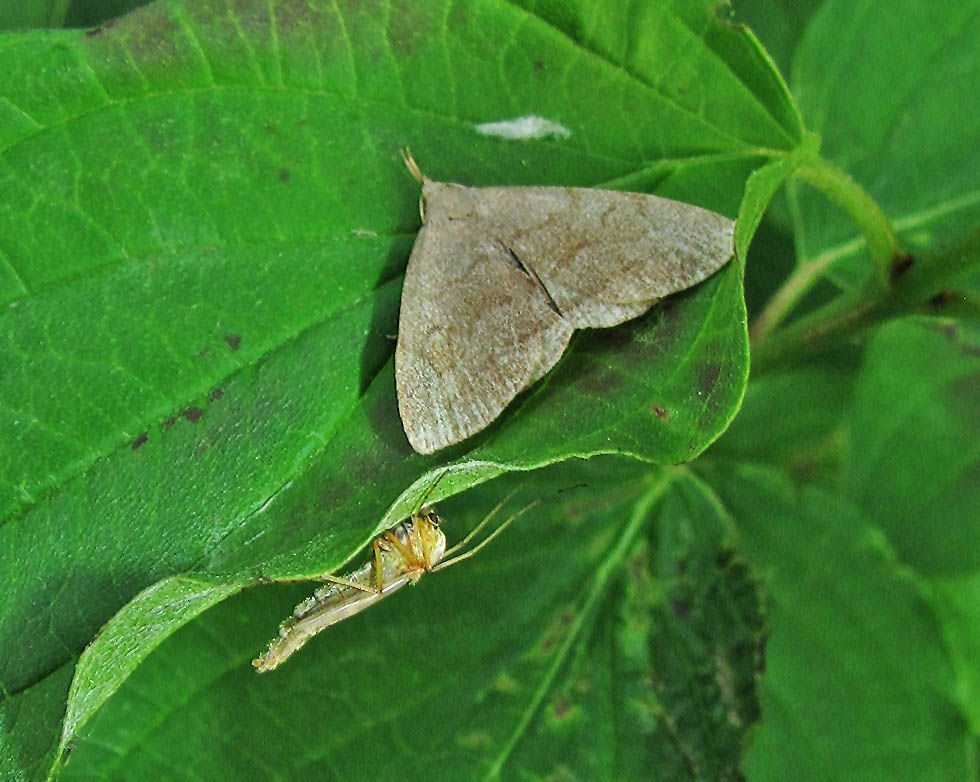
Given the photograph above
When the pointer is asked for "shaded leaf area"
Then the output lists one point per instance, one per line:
(891, 553)
(42, 13)
(778, 24)
(202, 234)
(794, 418)
(612, 627)
(24, 14)
(914, 462)
(30, 726)
(882, 95)
(89, 13)
(914, 468)
(859, 683)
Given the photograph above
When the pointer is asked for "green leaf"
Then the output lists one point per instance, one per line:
(794, 418)
(778, 24)
(859, 683)
(128, 637)
(202, 234)
(90, 13)
(914, 452)
(617, 605)
(38, 13)
(762, 186)
(882, 83)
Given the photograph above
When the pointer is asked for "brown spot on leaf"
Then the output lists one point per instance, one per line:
(233, 340)
(707, 379)
(560, 707)
(538, 65)
(681, 607)
(505, 683)
(941, 298)
(901, 264)
(659, 411)
(169, 423)
(599, 380)
(557, 631)
(283, 174)
(215, 395)
(95, 32)
(193, 414)
(138, 442)
(475, 740)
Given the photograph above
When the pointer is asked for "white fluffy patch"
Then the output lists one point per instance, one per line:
(524, 128)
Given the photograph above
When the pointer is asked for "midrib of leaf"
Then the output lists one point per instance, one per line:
(603, 574)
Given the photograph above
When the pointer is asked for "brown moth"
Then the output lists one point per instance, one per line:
(500, 277)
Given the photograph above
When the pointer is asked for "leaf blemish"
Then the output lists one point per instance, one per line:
(475, 740)
(707, 379)
(901, 264)
(505, 683)
(942, 298)
(659, 411)
(560, 707)
(682, 608)
(557, 631)
(215, 395)
(193, 414)
(95, 32)
(284, 175)
(139, 441)
(233, 340)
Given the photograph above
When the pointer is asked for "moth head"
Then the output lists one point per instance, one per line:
(433, 538)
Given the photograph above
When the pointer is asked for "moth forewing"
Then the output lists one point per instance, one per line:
(500, 277)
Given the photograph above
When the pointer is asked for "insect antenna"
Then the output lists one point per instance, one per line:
(449, 559)
(428, 492)
(452, 560)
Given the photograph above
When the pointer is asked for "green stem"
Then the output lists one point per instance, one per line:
(877, 232)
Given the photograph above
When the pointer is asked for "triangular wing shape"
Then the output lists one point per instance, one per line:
(500, 277)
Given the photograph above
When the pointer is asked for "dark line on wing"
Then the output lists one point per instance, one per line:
(530, 272)
(517, 261)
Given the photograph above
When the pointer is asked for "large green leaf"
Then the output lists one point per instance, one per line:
(202, 231)
(859, 681)
(914, 451)
(609, 632)
(882, 82)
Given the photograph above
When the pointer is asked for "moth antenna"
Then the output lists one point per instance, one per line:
(412, 166)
